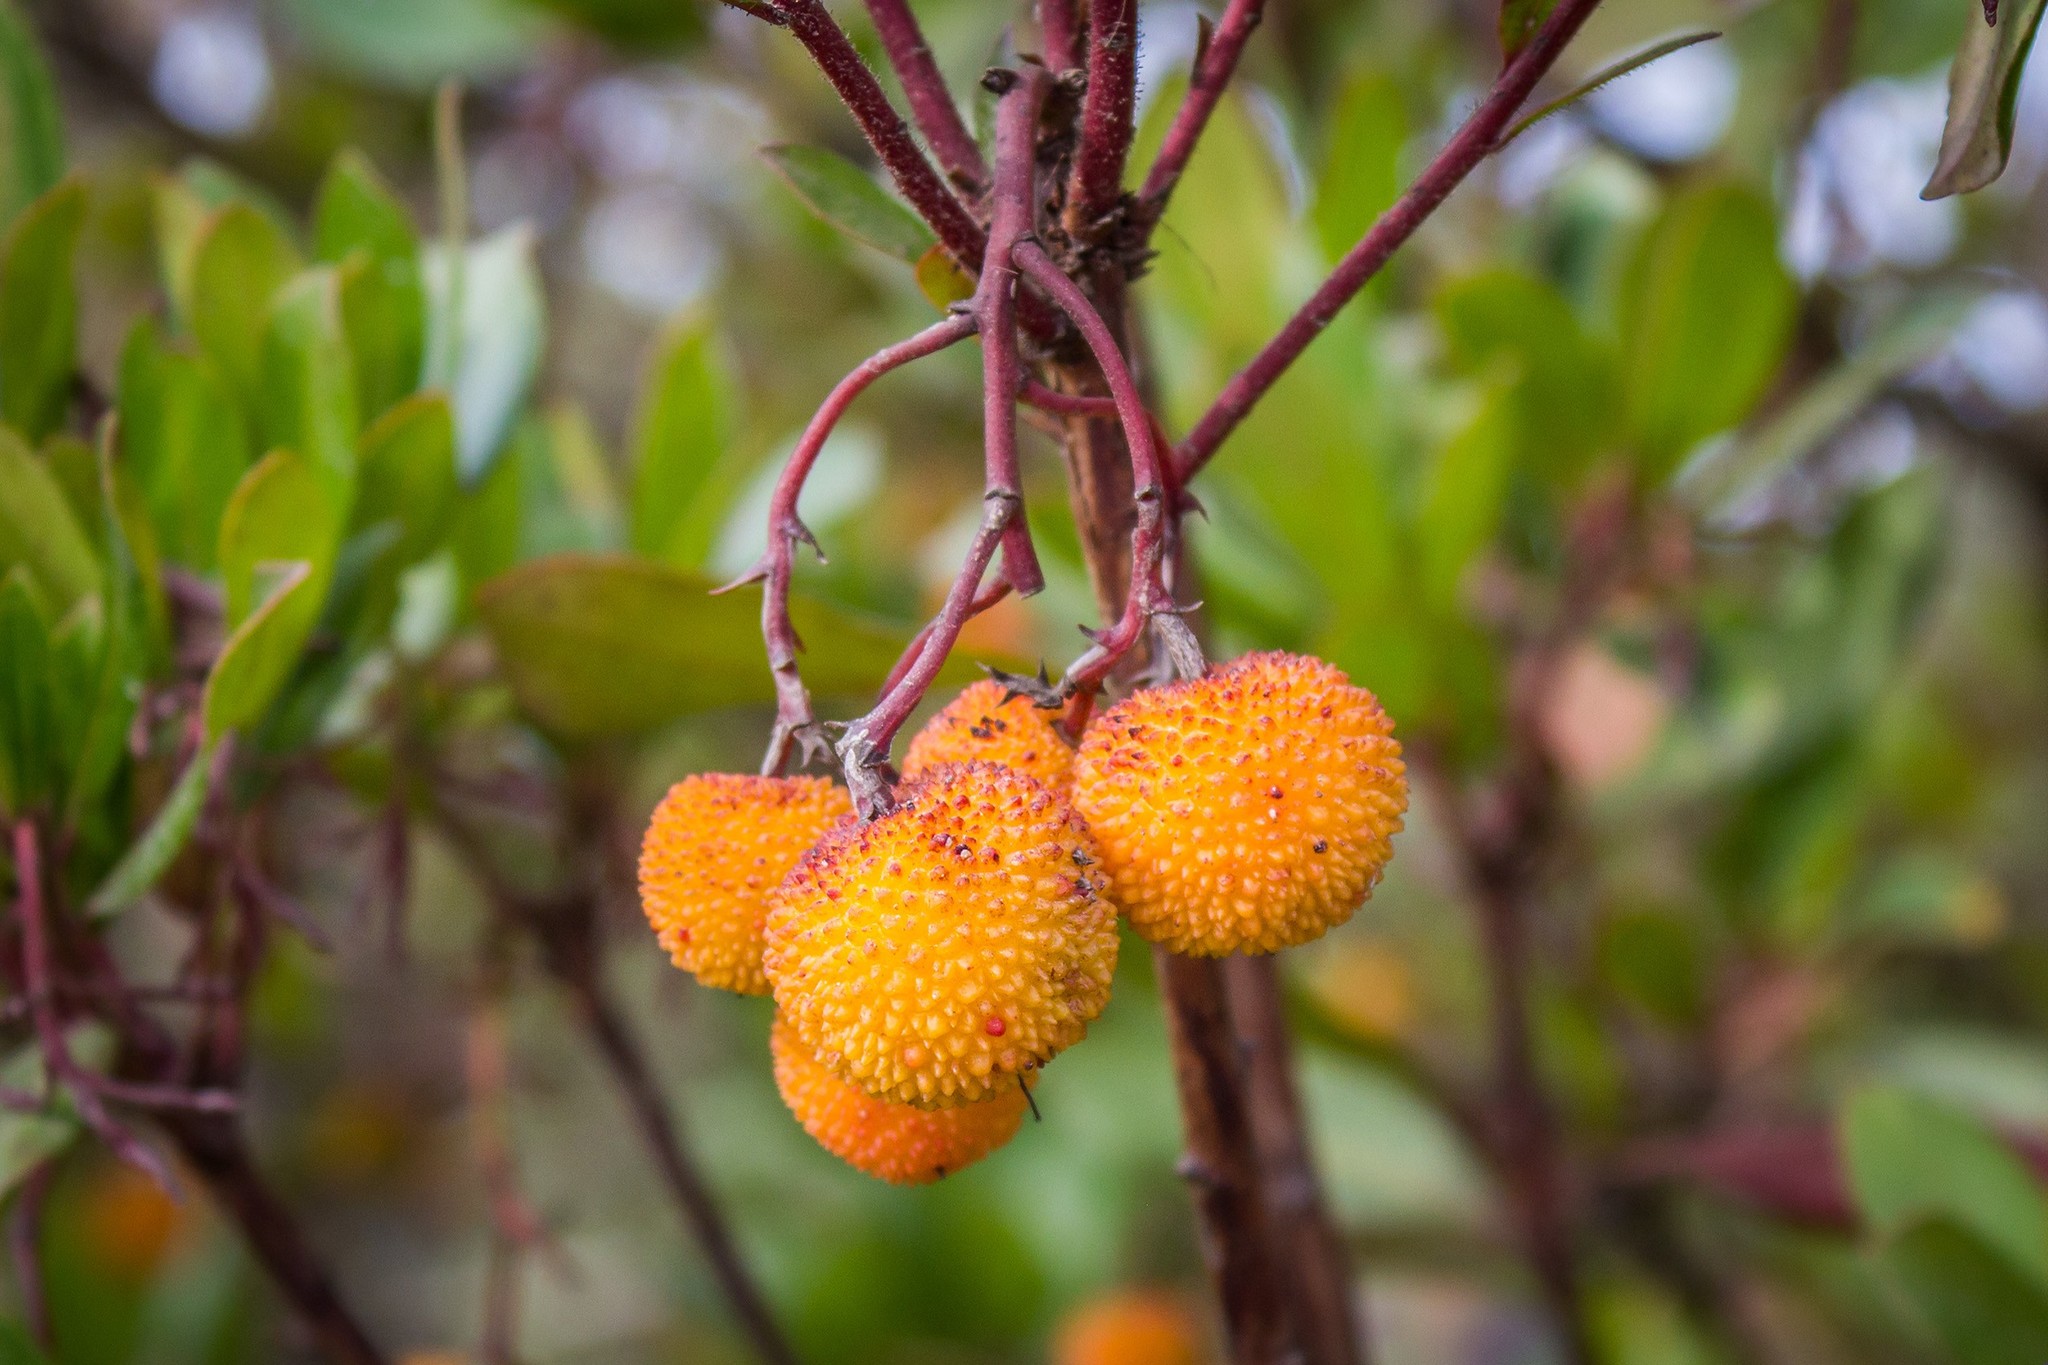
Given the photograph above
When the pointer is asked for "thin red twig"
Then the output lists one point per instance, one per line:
(1059, 33)
(1474, 141)
(1107, 114)
(1214, 66)
(995, 592)
(931, 104)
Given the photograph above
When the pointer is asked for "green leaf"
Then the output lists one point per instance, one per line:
(1519, 20)
(309, 392)
(1361, 169)
(1465, 497)
(941, 280)
(1613, 71)
(151, 855)
(180, 219)
(843, 195)
(636, 25)
(31, 127)
(27, 713)
(360, 226)
(599, 645)
(15, 1346)
(490, 525)
(1707, 312)
(414, 44)
(260, 656)
(679, 438)
(486, 323)
(356, 210)
(240, 261)
(1983, 97)
(1982, 1307)
(1910, 1157)
(408, 476)
(185, 440)
(39, 311)
(38, 530)
(281, 512)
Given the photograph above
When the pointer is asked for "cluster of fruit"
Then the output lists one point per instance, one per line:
(926, 963)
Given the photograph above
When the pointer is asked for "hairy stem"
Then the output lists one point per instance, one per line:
(931, 105)
(1472, 144)
(1214, 66)
(1107, 115)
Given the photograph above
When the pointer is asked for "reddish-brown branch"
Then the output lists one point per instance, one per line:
(931, 104)
(1059, 33)
(1107, 115)
(786, 530)
(1214, 66)
(1473, 142)
(994, 592)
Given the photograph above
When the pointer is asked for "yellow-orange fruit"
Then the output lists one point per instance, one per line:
(1135, 1327)
(934, 955)
(899, 1143)
(1244, 811)
(717, 845)
(980, 725)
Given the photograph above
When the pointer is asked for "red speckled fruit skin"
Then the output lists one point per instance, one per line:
(1248, 810)
(980, 726)
(899, 1143)
(936, 954)
(717, 845)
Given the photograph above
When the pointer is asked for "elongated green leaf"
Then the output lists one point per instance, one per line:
(281, 512)
(843, 195)
(636, 25)
(31, 128)
(259, 657)
(185, 440)
(1465, 496)
(597, 645)
(408, 476)
(15, 1346)
(1613, 71)
(151, 855)
(486, 324)
(179, 219)
(1982, 1307)
(39, 311)
(1361, 168)
(360, 226)
(108, 699)
(309, 392)
(1983, 97)
(1707, 312)
(28, 757)
(678, 440)
(358, 211)
(38, 530)
(240, 261)
(1910, 1158)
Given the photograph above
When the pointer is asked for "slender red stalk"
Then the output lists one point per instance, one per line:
(1474, 141)
(995, 592)
(1107, 114)
(1215, 64)
(1059, 33)
(931, 105)
(1067, 404)
(786, 529)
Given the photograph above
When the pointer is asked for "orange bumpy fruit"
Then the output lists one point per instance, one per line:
(937, 953)
(1133, 1327)
(1244, 811)
(899, 1143)
(981, 724)
(717, 845)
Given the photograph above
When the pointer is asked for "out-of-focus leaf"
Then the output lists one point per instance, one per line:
(159, 844)
(107, 697)
(490, 525)
(585, 474)
(241, 260)
(1828, 404)
(1519, 20)
(179, 218)
(486, 323)
(1361, 169)
(1613, 71)
(941, 280)
(408, 476)
(281, 512)
(1910, 1158)
(27, 1140)
(1984, 1309)
(1463, 500)
(185, 440)
(27, 757)
(1566, 389)
(37, 529)
(75, 469)
(1983, 97)
(843, 195)
(1924, 896)
(39, 311)
(597, 645)
(31, 126)
(360, 226)
(259, 656)
(1707, 311)
(679, 438)
(636, 25)
(15, 1346)
(1652, 960)
(414, 44)
(309, 392)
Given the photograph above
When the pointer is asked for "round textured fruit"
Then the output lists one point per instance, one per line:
(937, 953)
(981, 724)
(899, 1143)
(1133, 1327)
(1244, 811)
(717, 845)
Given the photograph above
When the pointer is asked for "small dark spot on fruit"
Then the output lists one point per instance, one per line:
(1321, 845)
(1273, 793)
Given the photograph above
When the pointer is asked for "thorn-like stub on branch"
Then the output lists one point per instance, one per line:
(1196, 1171)
(800, 534)
(999, 80)
(1039, 691)
(757, 572)
(1178, 643)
